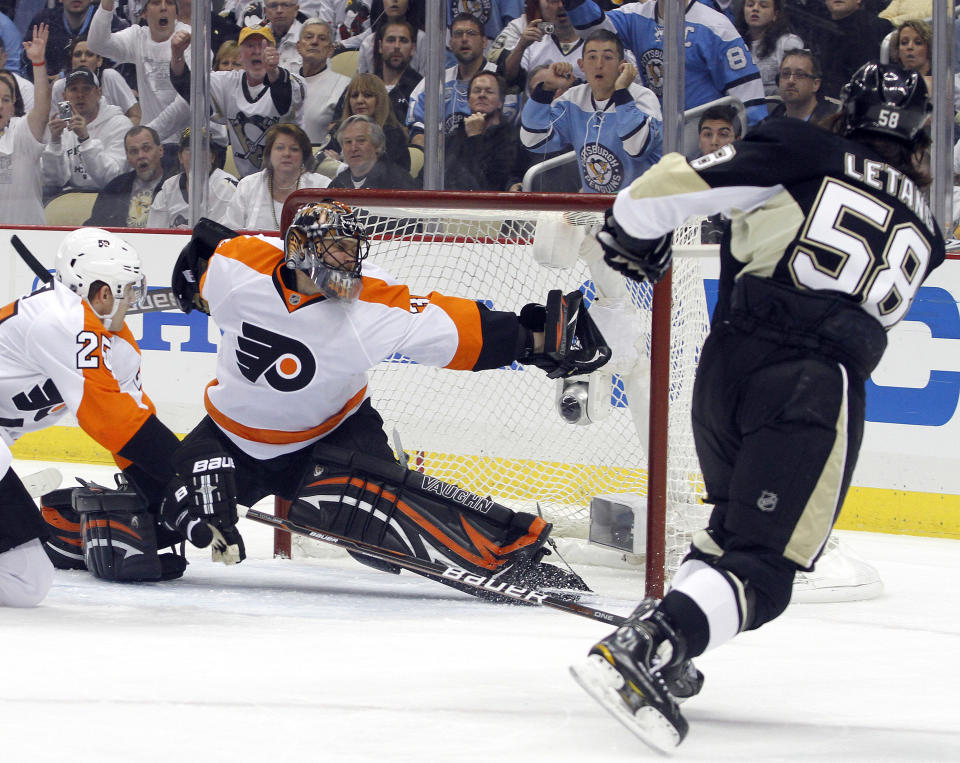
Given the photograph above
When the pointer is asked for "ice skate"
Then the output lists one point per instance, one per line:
(623, 672)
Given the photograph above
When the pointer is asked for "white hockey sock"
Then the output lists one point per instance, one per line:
(713, 593)
(26, 574)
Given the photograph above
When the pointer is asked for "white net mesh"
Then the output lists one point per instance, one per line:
(498, 433)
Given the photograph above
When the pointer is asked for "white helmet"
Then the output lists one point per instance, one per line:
(87, 255)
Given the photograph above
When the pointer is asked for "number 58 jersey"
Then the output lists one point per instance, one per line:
(809, 210)
(56, 356)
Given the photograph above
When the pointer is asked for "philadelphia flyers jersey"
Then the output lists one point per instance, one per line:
(56, 356)
(808, 209)
(292, 367)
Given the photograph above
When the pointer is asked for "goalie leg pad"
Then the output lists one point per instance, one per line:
(119, 537)
(64, 545)
(383, 504)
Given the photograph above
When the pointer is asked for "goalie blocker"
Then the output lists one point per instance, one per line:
(383, 504)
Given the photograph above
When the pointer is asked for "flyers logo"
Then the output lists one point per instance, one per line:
(417, 304)
(41, 401)
(286, 364)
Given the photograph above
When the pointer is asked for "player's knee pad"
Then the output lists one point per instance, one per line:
(64, 545)
(381, 503)
(26, 575)
(119, 536)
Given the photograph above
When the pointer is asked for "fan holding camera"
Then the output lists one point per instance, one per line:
(548, 37)
(85, 147)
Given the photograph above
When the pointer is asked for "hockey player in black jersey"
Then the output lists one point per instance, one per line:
(830, 238)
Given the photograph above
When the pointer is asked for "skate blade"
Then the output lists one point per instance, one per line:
(599, 679)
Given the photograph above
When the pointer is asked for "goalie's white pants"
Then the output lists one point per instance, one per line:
(26, 575)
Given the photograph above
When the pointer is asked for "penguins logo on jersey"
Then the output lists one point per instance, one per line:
(602, 169)
(651, 67)
(479, 9)
(251, 130)
(285, 364)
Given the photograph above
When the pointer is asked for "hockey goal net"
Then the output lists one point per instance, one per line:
(500, 433)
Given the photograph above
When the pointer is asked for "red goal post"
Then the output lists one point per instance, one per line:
(484, 245)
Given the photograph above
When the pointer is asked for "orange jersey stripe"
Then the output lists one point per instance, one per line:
(276, 436)
(381, 292)
(253, 252)
(108, 415)
(8, 310)
(464, 313)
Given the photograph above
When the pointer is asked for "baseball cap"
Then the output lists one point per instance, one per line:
(263, 31)
(83, 74)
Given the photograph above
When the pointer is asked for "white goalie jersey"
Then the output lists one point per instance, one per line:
(292, 367)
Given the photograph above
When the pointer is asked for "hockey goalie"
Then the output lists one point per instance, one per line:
(289, 413)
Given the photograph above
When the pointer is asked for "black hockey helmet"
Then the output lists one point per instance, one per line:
(327, 241)
(886, 100)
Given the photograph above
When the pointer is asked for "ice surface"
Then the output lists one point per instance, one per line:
(327, 660)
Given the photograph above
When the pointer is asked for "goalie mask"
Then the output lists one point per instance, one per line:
(88, 255)
(328, 243)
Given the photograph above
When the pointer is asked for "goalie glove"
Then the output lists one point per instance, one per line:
(572, 343)
(640, 259)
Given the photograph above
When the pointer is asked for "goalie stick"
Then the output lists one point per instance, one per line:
(438, 570)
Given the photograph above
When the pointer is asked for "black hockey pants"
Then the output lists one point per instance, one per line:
(777, 431)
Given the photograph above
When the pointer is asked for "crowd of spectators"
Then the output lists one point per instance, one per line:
(525, 81)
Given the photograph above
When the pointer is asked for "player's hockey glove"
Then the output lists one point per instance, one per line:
(211, 497)
(572, 343)
(175, 515)
(640, 259)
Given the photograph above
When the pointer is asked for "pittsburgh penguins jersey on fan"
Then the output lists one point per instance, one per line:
(808, 209)
(718, 62)
(292, 367)
(55, 356)
(250, 110)
(616, 140)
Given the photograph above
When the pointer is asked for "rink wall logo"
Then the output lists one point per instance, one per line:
(935, 314)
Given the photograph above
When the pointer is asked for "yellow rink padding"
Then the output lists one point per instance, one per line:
(867, 509)
(899, 511)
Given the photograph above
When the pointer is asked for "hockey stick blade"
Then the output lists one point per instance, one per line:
(439, 571)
